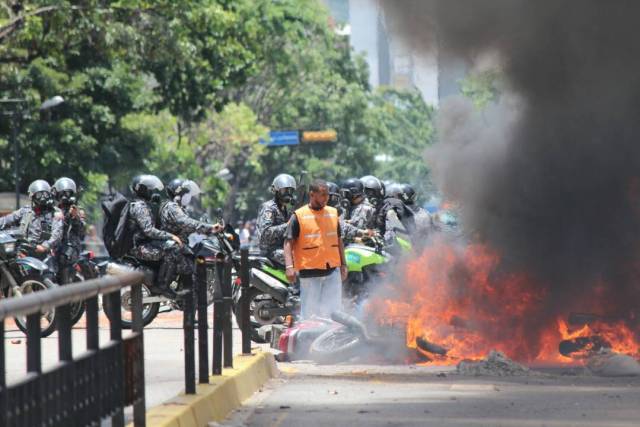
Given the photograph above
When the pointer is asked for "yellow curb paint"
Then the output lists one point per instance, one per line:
(214, 401)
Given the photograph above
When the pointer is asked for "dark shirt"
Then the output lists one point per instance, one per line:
(293, 232)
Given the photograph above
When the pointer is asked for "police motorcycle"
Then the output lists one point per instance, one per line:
(21, 274)
(200, 247)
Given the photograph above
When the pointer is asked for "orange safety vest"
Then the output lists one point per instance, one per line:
(317, 246)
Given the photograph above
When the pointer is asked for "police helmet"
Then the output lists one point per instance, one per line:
(352, 188)
(408, 195)
(334, 194)
(64, 189)
(283, 187)
(393, 190)
(146, 186)
(40, 193)
(175, 188)
(373, 188)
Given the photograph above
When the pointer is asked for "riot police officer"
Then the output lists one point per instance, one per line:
(173, 217)
(358, 211)
(65, 193)
(422, 218)
(41, 222)
(149, 242)
(274, 216)
(393, 214)
(349, 231)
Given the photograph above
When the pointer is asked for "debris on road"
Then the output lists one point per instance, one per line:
(495, 364)
(607, 363)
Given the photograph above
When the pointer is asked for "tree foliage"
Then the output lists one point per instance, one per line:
(187, 88)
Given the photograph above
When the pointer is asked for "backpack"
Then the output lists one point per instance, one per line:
(116, 233)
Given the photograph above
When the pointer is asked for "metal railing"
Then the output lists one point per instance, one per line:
(84, 390)
(104, 380)
(222, 339)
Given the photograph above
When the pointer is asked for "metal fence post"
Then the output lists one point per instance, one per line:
(189, 338)
(65, 355)
(117, 419)
(245, 278)
(227, 295)
(3, 379)
(139, 408)
(203, 322)
(218, 319)
(34, 360)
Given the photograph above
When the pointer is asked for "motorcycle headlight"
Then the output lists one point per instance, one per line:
(9, 248)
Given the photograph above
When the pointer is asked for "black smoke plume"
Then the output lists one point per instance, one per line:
(549, 177)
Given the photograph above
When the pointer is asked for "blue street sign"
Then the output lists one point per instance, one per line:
(280, 138)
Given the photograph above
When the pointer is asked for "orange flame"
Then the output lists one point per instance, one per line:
(463, 299)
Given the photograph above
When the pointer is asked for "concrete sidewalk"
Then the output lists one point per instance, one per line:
(163, 346)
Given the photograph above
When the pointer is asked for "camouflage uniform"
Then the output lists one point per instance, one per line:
(44, 227)
(270, 230)
(175, 220)
(394, 213)
(147, 239)
(362, 215)
(68, 251)
(73, 232)
(349, 231)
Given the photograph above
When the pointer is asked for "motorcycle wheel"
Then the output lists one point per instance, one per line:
(34, 282)
(336, 345)
(77, 310)
(255, 300)
(149, 311)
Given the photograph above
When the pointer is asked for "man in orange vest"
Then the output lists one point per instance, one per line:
(313, 249)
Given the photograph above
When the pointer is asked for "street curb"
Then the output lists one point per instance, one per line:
(223, 394)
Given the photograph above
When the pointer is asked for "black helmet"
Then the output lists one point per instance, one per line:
(146, 186)
(283, 188)
(64, 190)
(175, 188)
(373, 188)
(393, 190)
(408, 195)
(352, 188)
(334, 195)
(40, 193)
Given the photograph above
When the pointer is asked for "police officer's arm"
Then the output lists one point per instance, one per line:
(11, 220)
(78, 223)
(57, 229)
(185, 222)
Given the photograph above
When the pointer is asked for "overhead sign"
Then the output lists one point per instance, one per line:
(328, 135)
(279, 138)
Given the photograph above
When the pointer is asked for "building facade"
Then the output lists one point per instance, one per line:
(395, 57)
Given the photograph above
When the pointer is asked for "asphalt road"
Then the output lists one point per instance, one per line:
(316, 396)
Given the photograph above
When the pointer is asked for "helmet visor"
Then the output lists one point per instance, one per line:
(286, 194)
(41, 197)
(334, 200)
(192, 193)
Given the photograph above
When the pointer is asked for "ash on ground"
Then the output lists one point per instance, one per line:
(495, 364)
(607, 363)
